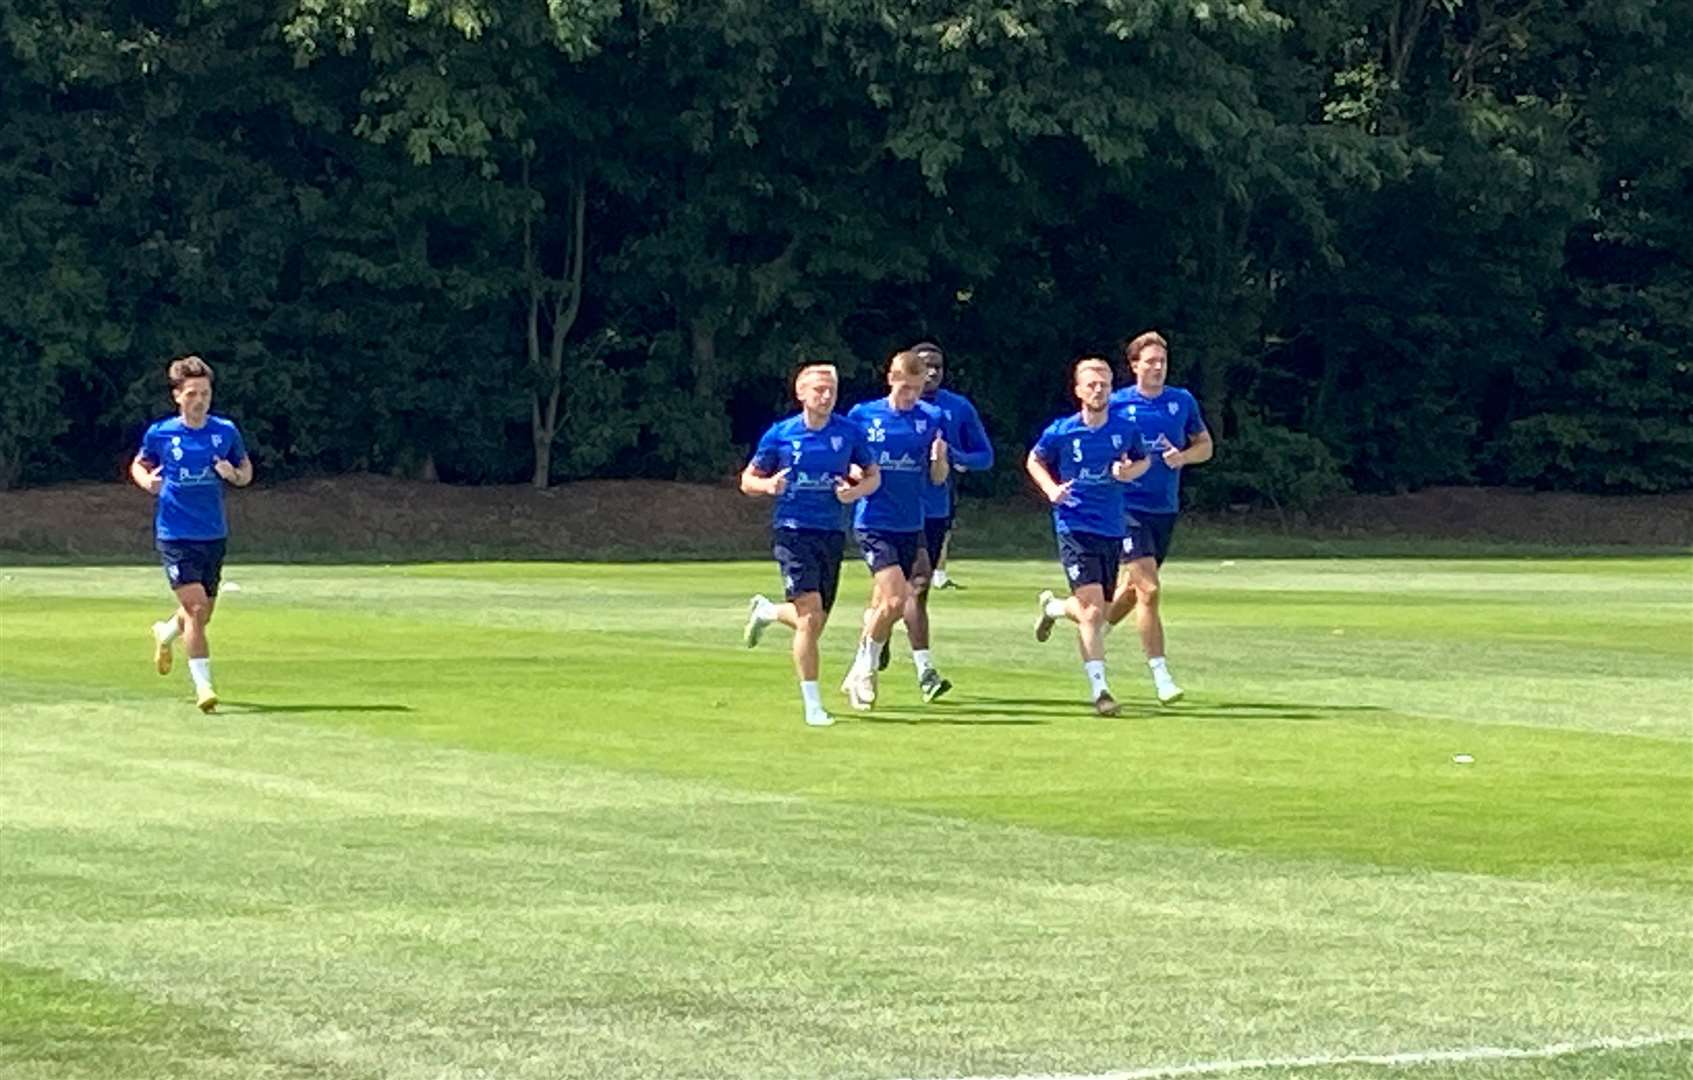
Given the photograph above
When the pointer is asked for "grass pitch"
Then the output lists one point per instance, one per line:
(532, 820)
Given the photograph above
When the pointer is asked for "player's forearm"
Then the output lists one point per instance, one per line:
(1131, 471)
(753, 483)
(141, 475)
(1199, 450)
(978, 459)
(1038, 472)
(939, 470)
(868, 483)
(243, 474)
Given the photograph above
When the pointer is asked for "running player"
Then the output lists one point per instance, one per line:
(1169, 423)
(1082, 464)
(802, 462)
(907, 441)
(968, 451)
(185, 461)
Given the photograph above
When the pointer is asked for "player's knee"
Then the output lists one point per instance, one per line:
(892, 604)
(810, 617)
(1091, 615)
(1146, 591)
(198, 611)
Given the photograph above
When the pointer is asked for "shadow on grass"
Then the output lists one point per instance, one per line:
(261, 707)
(1137, 710)
(954, 717)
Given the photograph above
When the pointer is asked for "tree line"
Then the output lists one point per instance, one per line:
(1394, 243)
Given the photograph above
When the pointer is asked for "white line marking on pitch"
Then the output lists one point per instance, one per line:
(1413, 1057)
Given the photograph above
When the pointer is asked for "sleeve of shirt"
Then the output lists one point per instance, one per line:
(149, 449)
(1046, 447)
(237, 447)
(1195, 423)
(1137, 444)
(976, 453)
(768, 457)
(861, 452)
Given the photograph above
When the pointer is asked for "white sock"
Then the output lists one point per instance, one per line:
(1160, 672)
(1096, 676)
(765, 611)
(939, 578)
(867, 655)
(812, 696)
(921, 658)
(1053, 609)
(200, 670)
(166, 631)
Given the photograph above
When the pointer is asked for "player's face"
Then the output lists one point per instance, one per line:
(816, 393)
(937, 372)
(1150, 368)
(194, 399)
(906, 388)
(1093, 388)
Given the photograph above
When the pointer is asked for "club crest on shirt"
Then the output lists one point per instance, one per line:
(1173, 408)
(217, 440)
(834, 442)
(1116, 442)
(1131, 412)
(922, 426)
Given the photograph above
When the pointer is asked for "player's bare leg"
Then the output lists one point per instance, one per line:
(1144, 587)
(888, 593)
(197, 610)
(929, 681)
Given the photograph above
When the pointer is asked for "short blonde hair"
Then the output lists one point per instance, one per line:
(910, 363)
(811, 371)
(1090, 363)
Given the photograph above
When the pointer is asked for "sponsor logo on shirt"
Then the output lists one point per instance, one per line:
(903, 463)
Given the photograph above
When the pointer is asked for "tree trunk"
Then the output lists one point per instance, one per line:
(563, 296)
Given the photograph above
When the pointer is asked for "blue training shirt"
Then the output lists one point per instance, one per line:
(190, 504)
(1170, 419)
(967, 445)
(899, 445)
(816, 461)
(1082, 456)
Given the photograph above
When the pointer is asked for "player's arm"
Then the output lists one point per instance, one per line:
(1196, 452)
(1128, 469)
(1038, 471)
(147, 475)
(974, 452)
(940, 465)
(860, 482)
(240, 475)
(756, 481)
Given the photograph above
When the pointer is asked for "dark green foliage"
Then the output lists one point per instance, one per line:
(1394, 243)
(1289, 472)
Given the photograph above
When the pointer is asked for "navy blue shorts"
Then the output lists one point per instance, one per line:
(192, 562)
(1089, 559)
(935, 532)
(810, 560)
(1147, 534)
(884, 549)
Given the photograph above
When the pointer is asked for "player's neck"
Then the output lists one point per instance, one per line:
(1095, 417)
(893, 403)
(1149, 394)
(816, 420)
(187, 422)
